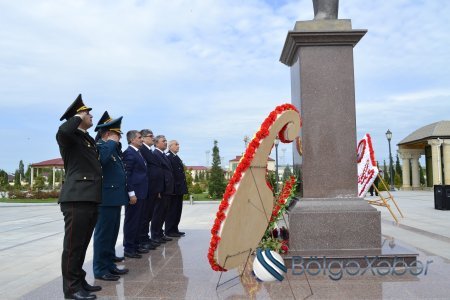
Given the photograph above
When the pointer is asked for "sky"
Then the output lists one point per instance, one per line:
(204, 70)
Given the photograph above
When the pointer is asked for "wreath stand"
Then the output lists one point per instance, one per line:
(384, 201)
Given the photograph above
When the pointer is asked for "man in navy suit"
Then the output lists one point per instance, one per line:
(114, 195)
(155, 187)
(137, 184)
(161, 204)
(180, 188)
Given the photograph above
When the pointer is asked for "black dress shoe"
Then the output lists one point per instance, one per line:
(181, 233)
(142, 250)
(80, 295)
(148, 246)
(155, 242)
(165, 238)
(117, 271)
(159, 240)
(108, 277)
(90, 288)
(174, 235)
(118, 258)
(132, 255)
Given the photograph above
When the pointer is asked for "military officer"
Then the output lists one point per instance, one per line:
(79, 197)
(114, 195)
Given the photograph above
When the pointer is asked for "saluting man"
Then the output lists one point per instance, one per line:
(113, 197)
(79, 197)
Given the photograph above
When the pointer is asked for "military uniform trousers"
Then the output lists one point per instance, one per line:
(79, 220)
(105, 238)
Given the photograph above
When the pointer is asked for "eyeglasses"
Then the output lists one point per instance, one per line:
(151, 135)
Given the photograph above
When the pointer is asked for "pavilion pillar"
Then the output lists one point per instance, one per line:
(436, 160)
(405, 156)
(446, 158)
(415, 171)
(31, 179)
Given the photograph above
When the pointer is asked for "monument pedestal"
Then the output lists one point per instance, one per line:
(334, 227)
(330, 220)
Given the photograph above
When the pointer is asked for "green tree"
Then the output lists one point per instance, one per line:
(17, 183)
(28, 174)
(21, 170)
(3, 178)
(216, 182)
(39, 183)
(286, 173)
(398, 169)
(386, 176)
(196, 177)
(189, 179)
(421, 175)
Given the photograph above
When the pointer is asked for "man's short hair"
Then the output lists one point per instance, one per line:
(145, 132)
(131, 135)
(172, 142)
(158, 137)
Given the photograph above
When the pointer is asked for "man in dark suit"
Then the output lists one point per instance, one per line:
(114, 195)
(155, 187)
(180, 188)
(137, 184)
(79, 197)
(161, 204)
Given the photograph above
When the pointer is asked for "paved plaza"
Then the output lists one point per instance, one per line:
(31, 244)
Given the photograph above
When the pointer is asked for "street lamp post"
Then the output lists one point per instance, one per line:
(276, 142)
(246, 139)
(391, 167)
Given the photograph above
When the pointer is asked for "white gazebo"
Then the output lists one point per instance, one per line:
(433, 141)
(54, 164)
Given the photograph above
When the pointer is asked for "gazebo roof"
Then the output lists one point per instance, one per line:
(196, 168)
(56, 162)
(439, 129)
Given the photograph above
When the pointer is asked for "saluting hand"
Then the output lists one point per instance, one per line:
(113, 137)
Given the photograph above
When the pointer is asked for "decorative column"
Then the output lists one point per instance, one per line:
(415, 155)
(405, 156)
(330, 219)
(436, 160)
(446, 152)
(31, 179)
(53, 183)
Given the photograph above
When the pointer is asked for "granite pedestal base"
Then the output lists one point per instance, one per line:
(334, 226)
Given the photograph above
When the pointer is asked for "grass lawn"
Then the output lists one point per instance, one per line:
(202, 197)
(48, 200)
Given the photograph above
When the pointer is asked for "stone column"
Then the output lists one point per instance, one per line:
(405, 156)
(415, 171)
(330, 219)
(31, 178)
(436, 160)
(53, 183)
(446, 152)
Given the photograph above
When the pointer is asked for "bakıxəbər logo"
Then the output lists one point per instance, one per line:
(335, 268)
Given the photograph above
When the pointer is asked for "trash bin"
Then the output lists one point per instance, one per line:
(442, 197)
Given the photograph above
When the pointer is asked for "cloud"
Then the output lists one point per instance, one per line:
(205, 69)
